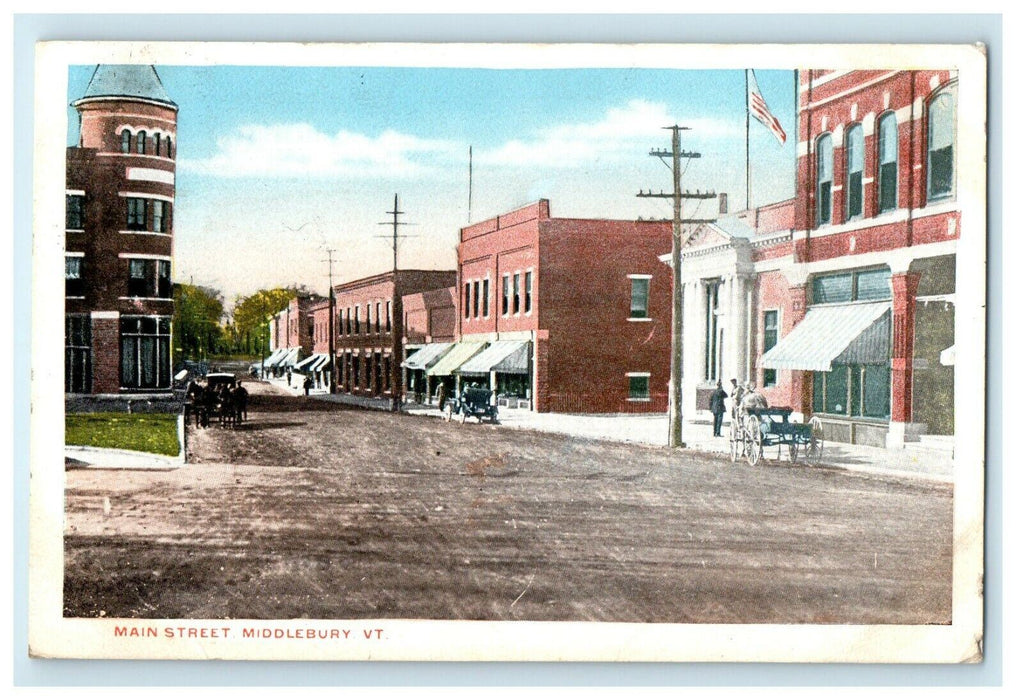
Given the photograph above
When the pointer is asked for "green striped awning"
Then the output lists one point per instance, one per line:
(454, 359)
(843, 334)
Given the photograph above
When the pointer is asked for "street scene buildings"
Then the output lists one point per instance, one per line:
(832, 301)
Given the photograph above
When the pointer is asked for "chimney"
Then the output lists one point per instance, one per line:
(723, 203)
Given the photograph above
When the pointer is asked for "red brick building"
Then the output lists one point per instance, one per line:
(119, 236)
(292, 333)
(370, 328)
(851, 313)
(572, 315)
(430, 328)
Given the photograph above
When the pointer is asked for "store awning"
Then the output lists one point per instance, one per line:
(507, 356)
(322, 363)
(288, 358)
(842, 334)
(454, 359)
(274, 357)
(426, 356)
(313, 363)
(948, 356)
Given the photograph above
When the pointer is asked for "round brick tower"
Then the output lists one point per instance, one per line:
(119, 237)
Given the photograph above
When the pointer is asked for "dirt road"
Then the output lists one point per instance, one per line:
(314, 510)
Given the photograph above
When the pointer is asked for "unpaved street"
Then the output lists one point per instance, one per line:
(315, 510)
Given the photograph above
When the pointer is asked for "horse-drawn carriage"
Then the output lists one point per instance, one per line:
(754, 429)
(473, 403)
(222, 398)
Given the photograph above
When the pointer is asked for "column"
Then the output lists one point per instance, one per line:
(904, 286)
(692, 331)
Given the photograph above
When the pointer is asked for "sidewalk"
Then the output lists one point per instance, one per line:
(935, 465)
(79, 457)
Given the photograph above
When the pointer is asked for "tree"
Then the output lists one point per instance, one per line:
(251, 313)
(198, 312)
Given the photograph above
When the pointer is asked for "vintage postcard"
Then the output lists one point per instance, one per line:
(509, 352)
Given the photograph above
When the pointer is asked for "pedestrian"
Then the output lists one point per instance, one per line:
(717, 407)
(307, 384)
(737, 390)
(442, 396)
(289, 376)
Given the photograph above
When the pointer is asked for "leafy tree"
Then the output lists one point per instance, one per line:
(198, 315)
(251, 314)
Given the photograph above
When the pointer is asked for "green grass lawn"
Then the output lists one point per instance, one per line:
(144, 432)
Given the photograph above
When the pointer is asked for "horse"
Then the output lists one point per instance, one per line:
(240, 396)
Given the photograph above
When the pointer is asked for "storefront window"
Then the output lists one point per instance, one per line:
(854, 391)
(145, 352)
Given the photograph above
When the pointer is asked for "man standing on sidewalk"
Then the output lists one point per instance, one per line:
(717, 407)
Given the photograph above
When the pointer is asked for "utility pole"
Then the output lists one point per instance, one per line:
(332, 387)
(397, 327)
(677, 195)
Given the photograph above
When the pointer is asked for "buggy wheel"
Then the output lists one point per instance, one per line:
(734, 440)
(754, 441)
(815, 450)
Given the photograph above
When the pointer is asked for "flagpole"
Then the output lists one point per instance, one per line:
(747, 139)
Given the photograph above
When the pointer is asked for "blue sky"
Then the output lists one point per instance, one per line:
(277, 163)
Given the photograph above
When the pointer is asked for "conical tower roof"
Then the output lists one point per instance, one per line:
(131, 81)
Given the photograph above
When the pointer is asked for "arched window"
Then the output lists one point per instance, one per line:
(825, 173)
(887, 163)
(125, 141)
(941, 146)
(854, 172)
(169, 147)
(140, 142)
(157, 142)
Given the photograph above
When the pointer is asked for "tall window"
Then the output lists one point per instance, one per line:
(77, 354)
(854, 172)
(770, 340)
(158, 219)
(157, 142)
(476, 299)
(505, 294)
(887, 163)
(145, 352)
(825, 170)
(940, 146)
(378, 318)
(163, 279)
(516, 300)
(639, 307)
(125, 141)
(169, 147)
(468, 300)
(529, 291)
(73, 276)
(140, 142)
(74, 214)
(136, 214)
(140, 278)
(710, 363)
(388, 317)
(486, 297)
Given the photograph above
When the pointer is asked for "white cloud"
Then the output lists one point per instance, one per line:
(623, 132)
(300, 150)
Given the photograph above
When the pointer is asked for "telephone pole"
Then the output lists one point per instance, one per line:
(397, 327)
(677, 195)
(330, 324)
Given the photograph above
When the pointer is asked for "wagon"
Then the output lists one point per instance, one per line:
(757, 428)
(473, 403)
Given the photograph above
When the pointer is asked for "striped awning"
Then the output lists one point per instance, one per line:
(843, 334)
(426, 356)
(506, 356)
(274, 357)
(287, 359)
(313, 363)
(454, 359)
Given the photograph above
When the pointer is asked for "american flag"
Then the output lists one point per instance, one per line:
(758, 108)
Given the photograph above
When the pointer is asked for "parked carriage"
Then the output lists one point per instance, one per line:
(222, 399)
(755, 429)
